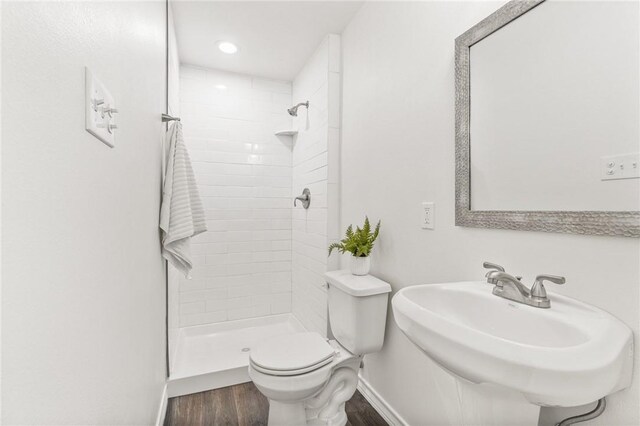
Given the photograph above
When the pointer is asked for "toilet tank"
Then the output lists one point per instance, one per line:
(357, 310)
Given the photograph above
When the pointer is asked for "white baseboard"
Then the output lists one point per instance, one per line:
(390, 415)
(162, 410)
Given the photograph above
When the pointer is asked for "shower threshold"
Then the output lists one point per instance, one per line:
(213, 356)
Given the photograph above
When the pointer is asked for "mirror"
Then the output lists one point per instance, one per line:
(547, 129)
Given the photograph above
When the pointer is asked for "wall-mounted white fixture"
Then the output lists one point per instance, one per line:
(221, 87)
(568, 355)
(626, 166)
(227, 47)
(100, 110)
(428, 215)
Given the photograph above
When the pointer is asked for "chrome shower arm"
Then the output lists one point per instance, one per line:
(293, 111)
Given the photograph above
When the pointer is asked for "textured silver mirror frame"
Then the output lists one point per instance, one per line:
(620, 223)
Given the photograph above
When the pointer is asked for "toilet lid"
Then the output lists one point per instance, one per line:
(292, 352)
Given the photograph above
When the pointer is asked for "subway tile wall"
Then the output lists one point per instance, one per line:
(243, 262)
(316, 166)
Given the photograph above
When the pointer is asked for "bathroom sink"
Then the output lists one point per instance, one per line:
(568, 355)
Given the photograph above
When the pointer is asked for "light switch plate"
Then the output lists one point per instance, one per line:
(97, 99)
(428, 215)
(625, 166)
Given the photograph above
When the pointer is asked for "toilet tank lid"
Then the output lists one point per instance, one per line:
(357, 285)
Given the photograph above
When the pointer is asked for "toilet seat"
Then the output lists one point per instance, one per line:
(292, 354)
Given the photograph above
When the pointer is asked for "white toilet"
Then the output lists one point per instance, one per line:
(308, 378)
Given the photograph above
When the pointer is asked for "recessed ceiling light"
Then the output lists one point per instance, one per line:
(227, 47)
(221, 87)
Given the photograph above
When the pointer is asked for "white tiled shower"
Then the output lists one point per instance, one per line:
(243, 262)
(258, 270)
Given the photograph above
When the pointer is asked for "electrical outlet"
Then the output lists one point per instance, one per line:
(626, 166)
(428, 215)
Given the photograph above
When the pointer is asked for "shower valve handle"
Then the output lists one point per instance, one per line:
(305, 198)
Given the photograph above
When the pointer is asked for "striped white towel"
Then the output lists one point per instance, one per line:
(181, 214)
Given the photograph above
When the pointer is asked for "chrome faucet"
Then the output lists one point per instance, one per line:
(510, 287)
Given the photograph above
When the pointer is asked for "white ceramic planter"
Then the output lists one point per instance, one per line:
(360, 265)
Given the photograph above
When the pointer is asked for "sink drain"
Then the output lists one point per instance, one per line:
(246, 349)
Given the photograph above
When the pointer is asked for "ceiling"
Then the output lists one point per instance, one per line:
(274, 38)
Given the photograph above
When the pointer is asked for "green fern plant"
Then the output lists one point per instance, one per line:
(359, 242)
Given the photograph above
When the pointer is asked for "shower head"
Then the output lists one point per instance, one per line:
(293, 111)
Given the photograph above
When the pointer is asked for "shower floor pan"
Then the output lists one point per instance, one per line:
(213, 356)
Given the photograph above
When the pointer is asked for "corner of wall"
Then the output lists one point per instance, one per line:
(316, 165)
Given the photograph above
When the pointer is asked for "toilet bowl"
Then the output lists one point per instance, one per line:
(307, 378)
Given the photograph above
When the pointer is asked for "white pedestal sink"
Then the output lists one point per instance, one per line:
(515, 356)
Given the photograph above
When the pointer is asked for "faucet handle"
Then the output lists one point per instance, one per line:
(494, 267)
(489, 265)
(305, 198)
(538, 289)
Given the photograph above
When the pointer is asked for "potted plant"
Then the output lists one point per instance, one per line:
(359, 243)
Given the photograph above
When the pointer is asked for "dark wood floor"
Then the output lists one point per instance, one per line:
(244, 405)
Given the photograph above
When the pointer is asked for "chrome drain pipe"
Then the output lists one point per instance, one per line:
(600, 407)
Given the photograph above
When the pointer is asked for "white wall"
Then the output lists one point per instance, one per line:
(83, 308)
(173, 108)
(398, 150)
(173, 75)
(316, 166)
(243, 262)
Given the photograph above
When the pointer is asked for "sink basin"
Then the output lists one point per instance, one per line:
(570, 354)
